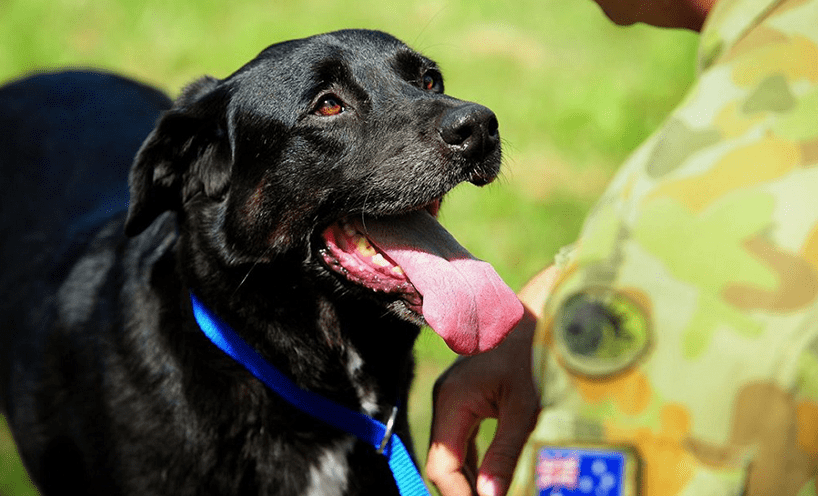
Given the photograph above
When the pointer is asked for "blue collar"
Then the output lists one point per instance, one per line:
(362, 426)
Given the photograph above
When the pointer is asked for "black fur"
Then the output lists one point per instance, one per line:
(108, 384)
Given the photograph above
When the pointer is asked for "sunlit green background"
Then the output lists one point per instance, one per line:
(573, 94)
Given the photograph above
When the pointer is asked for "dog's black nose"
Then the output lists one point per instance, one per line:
(471, 130)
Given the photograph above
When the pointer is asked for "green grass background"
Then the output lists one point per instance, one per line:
(573, 93)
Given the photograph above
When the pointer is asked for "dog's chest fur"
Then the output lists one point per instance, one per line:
(167, 390)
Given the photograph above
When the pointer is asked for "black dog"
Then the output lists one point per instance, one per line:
(296, 199)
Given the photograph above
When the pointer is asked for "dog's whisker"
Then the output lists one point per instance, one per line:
(366, 199)
(363, 218)
(247, 275)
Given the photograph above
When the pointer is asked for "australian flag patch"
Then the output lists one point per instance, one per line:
(580, 472)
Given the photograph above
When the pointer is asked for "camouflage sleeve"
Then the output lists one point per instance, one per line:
(684, 325)
(806, 412)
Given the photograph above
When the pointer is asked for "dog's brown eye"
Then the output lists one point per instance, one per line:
(432, 81)
(329, 105)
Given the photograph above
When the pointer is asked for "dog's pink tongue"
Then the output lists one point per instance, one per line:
(464, 299)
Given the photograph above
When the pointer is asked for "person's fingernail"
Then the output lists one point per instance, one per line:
(489, 486)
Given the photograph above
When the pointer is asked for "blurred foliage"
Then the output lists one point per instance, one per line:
(573, 94)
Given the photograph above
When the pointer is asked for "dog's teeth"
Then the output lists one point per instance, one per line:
(380, 261)
(364, 248)
(397, 270)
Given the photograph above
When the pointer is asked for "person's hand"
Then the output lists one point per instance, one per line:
(496, 384)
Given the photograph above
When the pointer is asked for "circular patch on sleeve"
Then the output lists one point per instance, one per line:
(600, 332)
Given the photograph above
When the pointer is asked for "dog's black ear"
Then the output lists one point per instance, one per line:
(187, 153)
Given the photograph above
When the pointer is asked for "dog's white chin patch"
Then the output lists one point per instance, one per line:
(461, 298)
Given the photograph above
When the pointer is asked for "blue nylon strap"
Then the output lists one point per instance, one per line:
(362, 426)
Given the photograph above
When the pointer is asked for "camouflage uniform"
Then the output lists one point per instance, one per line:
(683, 330)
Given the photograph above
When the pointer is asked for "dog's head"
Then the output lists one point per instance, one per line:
(338, 147)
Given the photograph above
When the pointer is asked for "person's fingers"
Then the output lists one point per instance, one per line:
(516, 421)
(452, 439)
(472, 457)
(517, 406)
(443, 467)
(495, 384)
